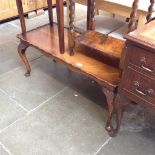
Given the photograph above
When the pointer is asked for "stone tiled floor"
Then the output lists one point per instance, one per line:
(58, 112)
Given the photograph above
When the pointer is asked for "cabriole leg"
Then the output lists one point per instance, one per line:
(118, 108)
(21, 50)
(120, 103)
(115, 106)
(110, 98)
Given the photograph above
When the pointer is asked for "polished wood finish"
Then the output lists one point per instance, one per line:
(60, 17)
(138, 78)
(100, 47)
(103, 46)
(104, 74)
(21, 50)
(89, 53)
(141, 60)
(139, 84)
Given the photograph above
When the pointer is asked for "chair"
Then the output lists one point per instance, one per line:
(106, 49)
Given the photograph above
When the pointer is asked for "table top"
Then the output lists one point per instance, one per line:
(98, 70)
(143, 4)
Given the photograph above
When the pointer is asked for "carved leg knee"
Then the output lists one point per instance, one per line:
(21, 50)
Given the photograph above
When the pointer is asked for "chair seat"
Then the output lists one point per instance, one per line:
(104, 24)
(101, 46)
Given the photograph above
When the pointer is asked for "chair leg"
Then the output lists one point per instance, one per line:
(21, 50)
(91, 14)
(71, 42)
(50, 11)
(71, 30)
(60, 19)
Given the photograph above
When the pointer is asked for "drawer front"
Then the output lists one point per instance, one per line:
(139, 85)
(141, 58)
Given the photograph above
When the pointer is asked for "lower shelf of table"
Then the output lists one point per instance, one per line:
(46, 39)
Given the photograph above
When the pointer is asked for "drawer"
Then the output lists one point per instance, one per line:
(141, 58)
(139, 85)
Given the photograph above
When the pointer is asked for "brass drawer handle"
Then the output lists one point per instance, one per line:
(144, 93)
(143, 65)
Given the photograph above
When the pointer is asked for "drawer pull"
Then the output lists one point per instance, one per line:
(143, 65)
(145, 68)
(144, 93)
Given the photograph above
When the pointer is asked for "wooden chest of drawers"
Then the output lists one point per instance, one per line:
(138, 78)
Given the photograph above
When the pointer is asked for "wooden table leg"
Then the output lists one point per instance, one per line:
(21, 15)
(22, 53)
(60, 19)
(50, 11)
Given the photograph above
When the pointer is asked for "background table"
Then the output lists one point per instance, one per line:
(122, 8)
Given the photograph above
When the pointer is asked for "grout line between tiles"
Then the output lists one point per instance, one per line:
(3, 91)
(104, 144)
(5, 148)
(40, 105)
(1, 131)
(22, 107)
(18, 27)
(13, 70)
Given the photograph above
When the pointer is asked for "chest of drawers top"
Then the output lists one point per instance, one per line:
(144, 36)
